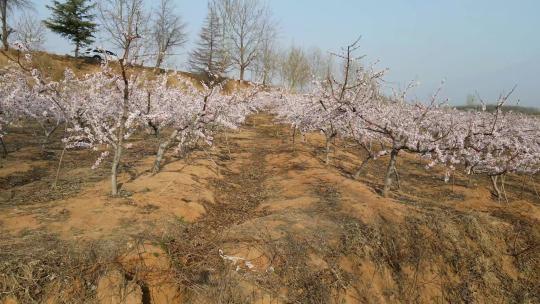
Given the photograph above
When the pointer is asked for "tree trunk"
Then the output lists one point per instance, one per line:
(114, 169)
(389, 171)
(503, 188)
(294, 137)
(4, 148)
(46, 139)
(161, 151)
(47, 136)
(155, 128)
(327, 148)
(148, 109)
(397, 178)
(121, 133)
(496, 189)
(59, 166)
(362, 165)
(159, 60)
(242, 71)
(118, 155)
(44, 143)
(5, 30)
(265, 78)
(77, 46)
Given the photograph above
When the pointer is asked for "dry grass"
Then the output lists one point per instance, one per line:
(53, 66)
(431, 243)
(37, 266)
(194, 247)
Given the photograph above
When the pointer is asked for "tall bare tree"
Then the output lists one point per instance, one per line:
(30, 32)
(295, 69)
(321, 64)
(210, 56)
(6, 7)
(168, 31)
(267, 63)
(245, 25)
(125, 22)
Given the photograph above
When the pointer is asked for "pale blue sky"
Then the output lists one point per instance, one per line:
(484, 46)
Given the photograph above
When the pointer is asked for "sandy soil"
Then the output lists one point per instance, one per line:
(256, 220)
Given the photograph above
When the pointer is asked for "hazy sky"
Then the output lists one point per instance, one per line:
(484, 46)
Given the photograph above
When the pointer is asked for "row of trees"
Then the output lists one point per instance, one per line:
(242, 35)
(237, 35)
(102, 110)
(353, 108)
(160, 31)
(233, 36)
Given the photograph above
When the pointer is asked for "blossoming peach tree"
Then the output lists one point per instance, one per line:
(480, 142)
(102, 110)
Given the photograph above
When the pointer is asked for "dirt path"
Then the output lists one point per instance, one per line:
(277, 219)
(296, 231)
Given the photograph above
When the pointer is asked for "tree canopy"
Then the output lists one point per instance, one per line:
(73, 19)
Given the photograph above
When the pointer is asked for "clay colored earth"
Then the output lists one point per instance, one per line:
(255, 219)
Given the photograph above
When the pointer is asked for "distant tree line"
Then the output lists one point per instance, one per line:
(507, 108)
(238, 37)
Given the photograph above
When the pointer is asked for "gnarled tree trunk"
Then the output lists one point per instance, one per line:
(119, 146)
(327, 150)
(161, 151)
(389, 171)
(4, 148)
(5, 30)
(361, 167)
(498, 190)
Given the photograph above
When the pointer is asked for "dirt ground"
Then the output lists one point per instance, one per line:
(258, 220)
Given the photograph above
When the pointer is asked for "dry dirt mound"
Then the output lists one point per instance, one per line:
(294, 231)
(263, 222)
